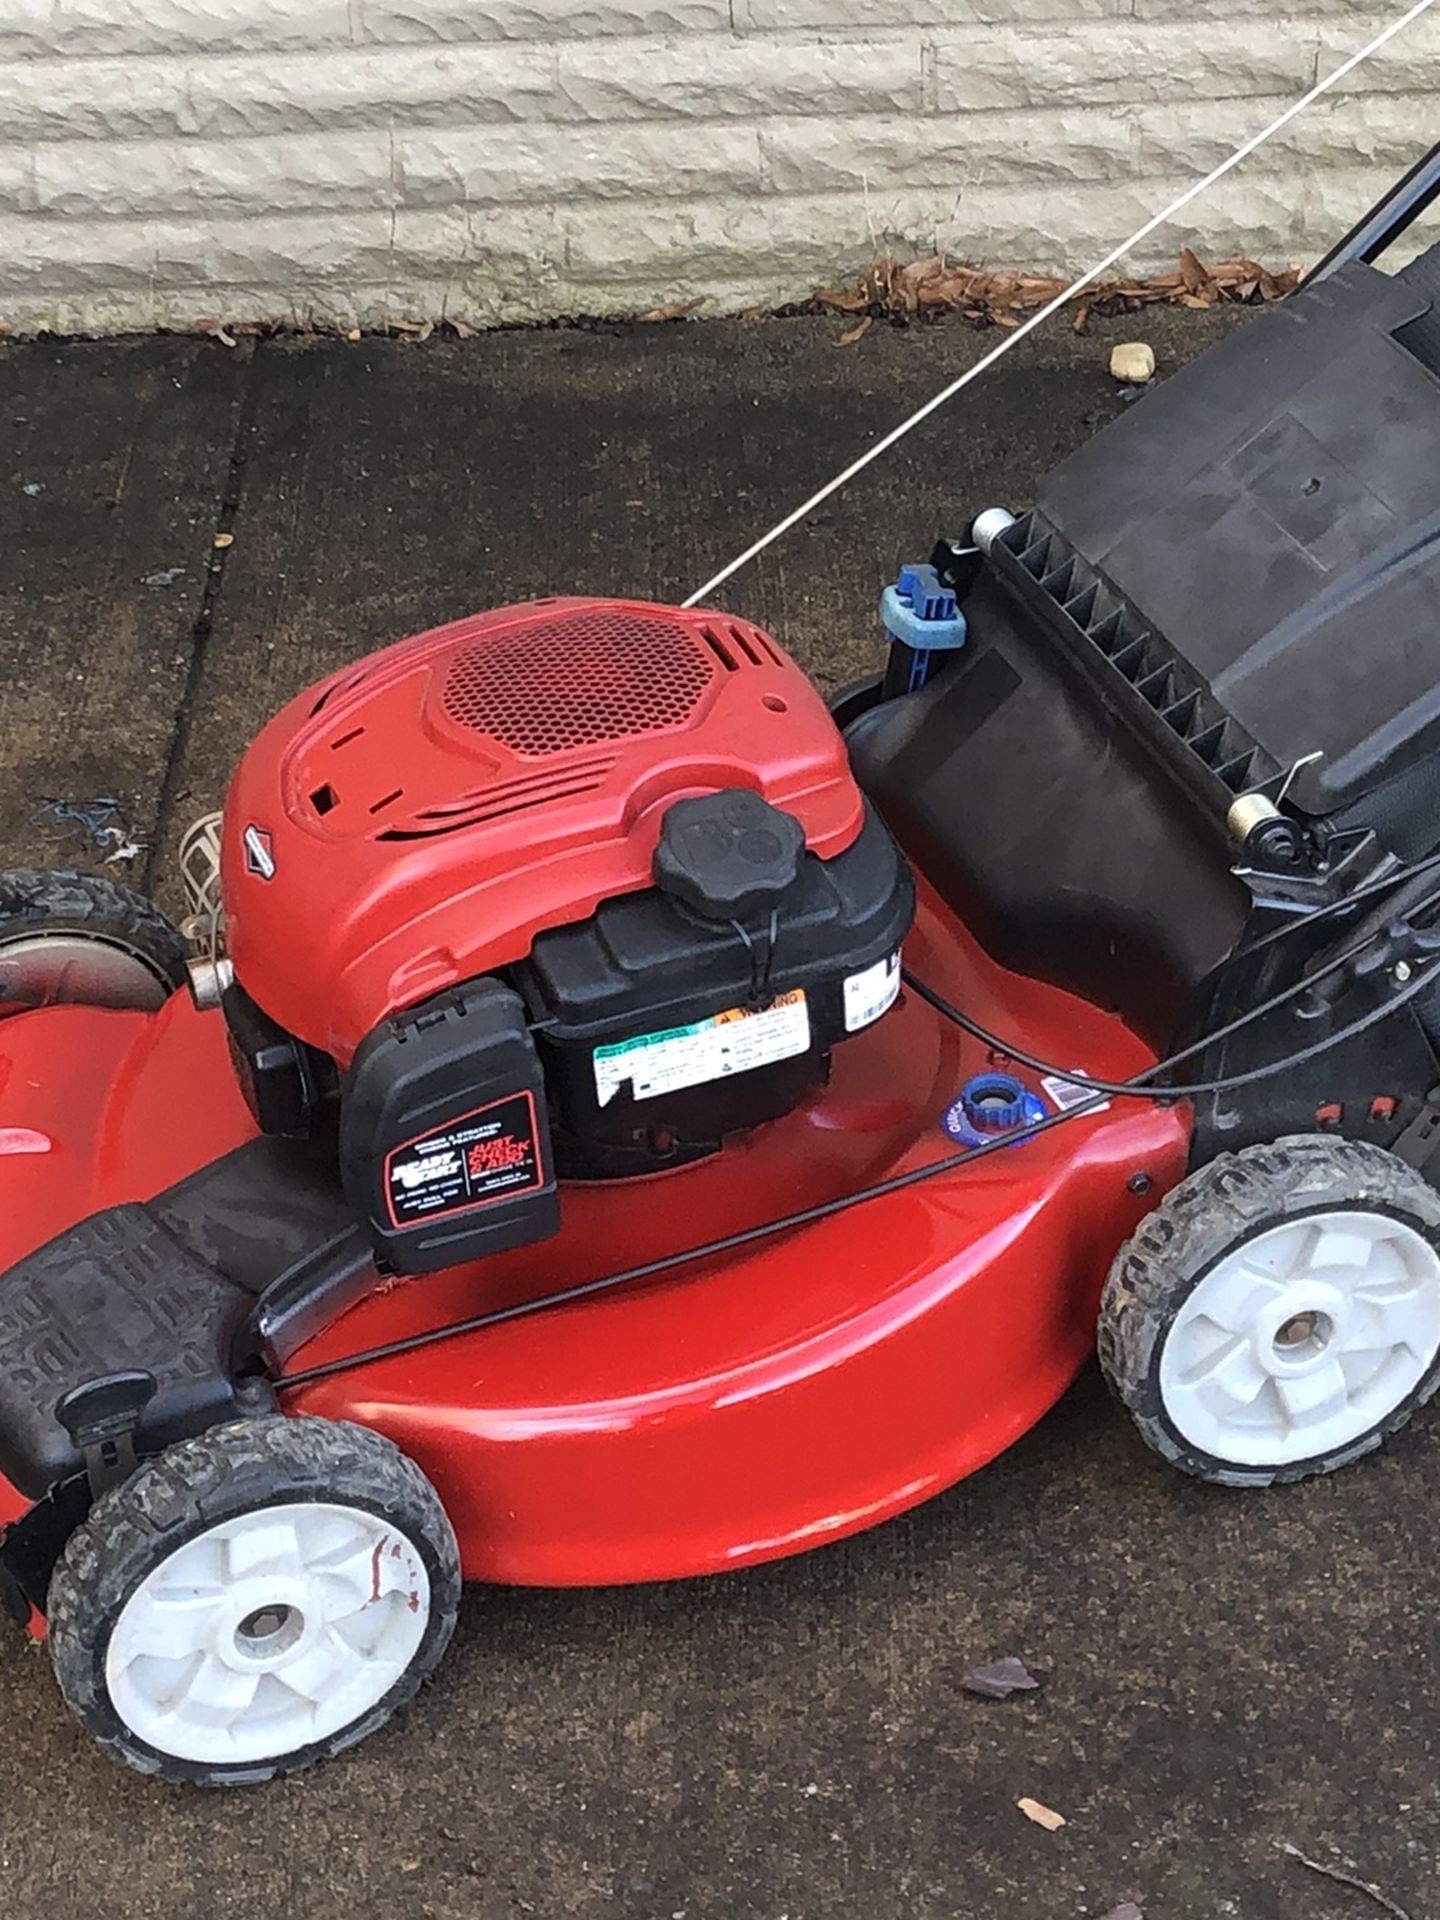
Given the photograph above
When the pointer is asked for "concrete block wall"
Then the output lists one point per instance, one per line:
(360, 161)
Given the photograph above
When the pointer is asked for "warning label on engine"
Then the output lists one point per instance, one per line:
(730, 1042)
(871, 993)
(491, 1154)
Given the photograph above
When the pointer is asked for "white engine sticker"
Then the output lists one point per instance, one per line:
(731, 1042)
(869, 994)
(1064, 1094)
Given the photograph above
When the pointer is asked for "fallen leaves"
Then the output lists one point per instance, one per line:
(1043, 1816)
(912, 289)
(679, 310)
(857, 332)
(998, 1679)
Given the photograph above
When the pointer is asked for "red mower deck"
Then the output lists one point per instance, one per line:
(803, 1389)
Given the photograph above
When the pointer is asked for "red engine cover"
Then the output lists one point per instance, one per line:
(417, 819)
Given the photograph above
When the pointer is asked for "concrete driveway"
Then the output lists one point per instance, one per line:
(1228, 1673)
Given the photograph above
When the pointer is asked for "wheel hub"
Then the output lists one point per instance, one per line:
(1306, 1333)
(269, 1631)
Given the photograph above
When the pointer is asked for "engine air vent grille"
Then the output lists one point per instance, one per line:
(1092, 613)
(578, 680)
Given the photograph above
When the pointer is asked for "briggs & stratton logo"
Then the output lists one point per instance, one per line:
(259, 853)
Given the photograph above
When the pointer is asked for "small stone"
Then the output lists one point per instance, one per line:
(1133, 362)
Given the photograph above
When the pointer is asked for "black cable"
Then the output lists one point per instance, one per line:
(1386, 882)
(585, 1289)
(824, 1210)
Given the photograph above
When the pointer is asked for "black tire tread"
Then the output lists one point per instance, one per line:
(1202, 1218)
(228, 1470)
(63, 900)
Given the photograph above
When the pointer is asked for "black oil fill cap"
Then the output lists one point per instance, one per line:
(728, 855)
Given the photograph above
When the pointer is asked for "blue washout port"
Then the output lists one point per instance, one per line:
(924, 616)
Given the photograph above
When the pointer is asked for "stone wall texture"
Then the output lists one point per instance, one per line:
(362, 161)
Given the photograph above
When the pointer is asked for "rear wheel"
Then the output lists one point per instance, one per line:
(253, 1600)
(78, 938)
(1279, 1313)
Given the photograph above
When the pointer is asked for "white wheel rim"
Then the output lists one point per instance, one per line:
(267, 1633)
(48, 969)
(1303, 1338)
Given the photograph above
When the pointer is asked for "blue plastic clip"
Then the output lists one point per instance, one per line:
(924, 616)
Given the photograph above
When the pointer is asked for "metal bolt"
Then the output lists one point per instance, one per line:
(1139, 1183)
(1402, 971)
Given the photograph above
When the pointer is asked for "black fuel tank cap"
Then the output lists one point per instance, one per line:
(728, 855)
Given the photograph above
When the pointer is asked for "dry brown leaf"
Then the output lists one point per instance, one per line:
(1042, 1816)
(857, 332)
(459, 328)
(352, 333)
(852, 302)
(680, 310)
(1081, 320)
(223, 540)
(1192, 273)
(911, 277)
(216, 330)
(993, 297)
(954, 287)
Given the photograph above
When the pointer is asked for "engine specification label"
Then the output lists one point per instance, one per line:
(871, 993)
(731, 1042)
(487, 1155)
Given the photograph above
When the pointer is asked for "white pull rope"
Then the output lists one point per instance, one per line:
(1013, 338)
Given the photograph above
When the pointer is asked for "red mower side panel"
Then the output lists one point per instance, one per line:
(734, 1410)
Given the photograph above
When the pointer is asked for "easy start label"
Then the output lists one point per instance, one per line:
(732, 1042)
(491, 1154)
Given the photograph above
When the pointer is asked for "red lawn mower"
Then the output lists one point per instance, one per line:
(620, 1118)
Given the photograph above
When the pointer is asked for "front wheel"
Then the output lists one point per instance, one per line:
(253, 1600)
(1278, 1315)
